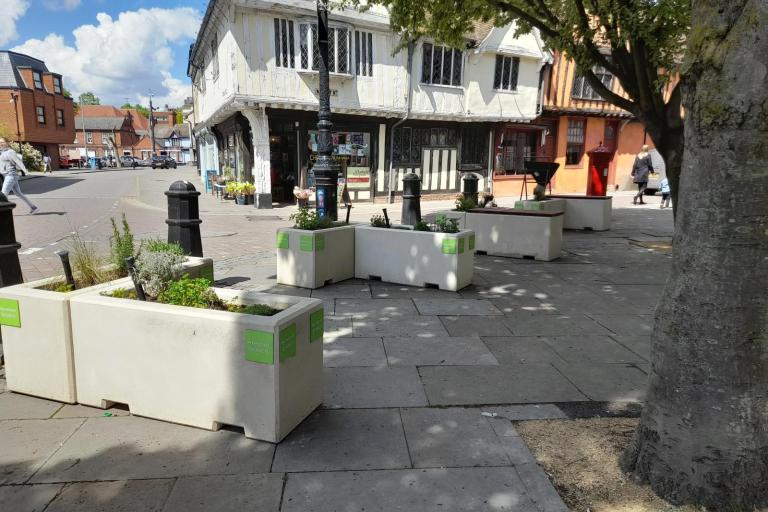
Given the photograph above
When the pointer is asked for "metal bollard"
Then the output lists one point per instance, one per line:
(131, 263)
(411, 213)
(64, 255)
(184, 217)
(470, 186)
(10, 268)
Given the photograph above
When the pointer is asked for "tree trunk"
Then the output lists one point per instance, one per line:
(670, 143)
(703, 435)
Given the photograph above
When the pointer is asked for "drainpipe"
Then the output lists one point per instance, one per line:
(409, 96)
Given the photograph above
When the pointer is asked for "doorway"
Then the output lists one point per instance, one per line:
(282, 160)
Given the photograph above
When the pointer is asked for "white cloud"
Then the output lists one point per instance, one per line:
(10, 13)
(61, 5)
(122, 59)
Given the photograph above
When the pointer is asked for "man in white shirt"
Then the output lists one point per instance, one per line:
(10, 164)
(47, 163)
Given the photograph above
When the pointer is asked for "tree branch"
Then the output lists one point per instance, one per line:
(543, 27)
(589, 38)
(607, 94)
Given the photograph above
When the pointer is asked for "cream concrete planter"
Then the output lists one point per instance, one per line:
(201, 367)
(517, 233)
(547, 205)
(415, 258)
(37, 334)
(312, 259)
(587, 212)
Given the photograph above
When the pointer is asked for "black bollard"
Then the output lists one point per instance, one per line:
(411, 214)
(10, 268)
(349, 210)
(64, 255)
(184, 217)
(386, 217)
(131, 263)
(470, 180)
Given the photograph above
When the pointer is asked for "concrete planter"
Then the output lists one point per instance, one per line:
(200, 367)
(587, 212)
(547, 205)
(312, 259)
(517, 233)
(415, 258)
(37, 334)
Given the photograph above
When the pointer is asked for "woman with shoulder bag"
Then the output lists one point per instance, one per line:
(642, 167)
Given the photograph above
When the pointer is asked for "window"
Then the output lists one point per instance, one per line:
(364, 53)
(575, 147)
(40, 114)
(215, 56)
(410, 142)
(175, 142)
(517, 146)
(339, 46)
(474, 145)
(440, 65)
(59, 117)
(89, 137)
(57, 85)
(37, 79)
(505, 76)
(582, 89)
(284, 56)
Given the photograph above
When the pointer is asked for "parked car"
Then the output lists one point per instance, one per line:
(163, 162)
(129, 161)
(65, 163)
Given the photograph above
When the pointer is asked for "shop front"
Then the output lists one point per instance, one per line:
(514, 144)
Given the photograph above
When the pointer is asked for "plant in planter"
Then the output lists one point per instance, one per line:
(244, 192)
(302, 196)
(464, 204)
(378, 221)
(315, 251)
(446, 225)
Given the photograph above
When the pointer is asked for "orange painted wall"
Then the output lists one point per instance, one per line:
(631, 140)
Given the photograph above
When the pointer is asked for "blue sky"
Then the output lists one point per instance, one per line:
(141, 45)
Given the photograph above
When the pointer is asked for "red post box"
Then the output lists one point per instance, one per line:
(597, 179)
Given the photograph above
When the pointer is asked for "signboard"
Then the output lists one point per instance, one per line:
(9, 313)
(358, 178)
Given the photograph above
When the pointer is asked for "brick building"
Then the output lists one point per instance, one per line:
(105, 131)
(32, 104)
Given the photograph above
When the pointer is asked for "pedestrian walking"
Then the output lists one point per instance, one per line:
(666, 192)
(47, 163)
(10, 164)
(642, 167)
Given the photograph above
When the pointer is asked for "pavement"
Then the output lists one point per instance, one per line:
(422, 387)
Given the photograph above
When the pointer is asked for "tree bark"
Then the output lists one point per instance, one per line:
(703, 435)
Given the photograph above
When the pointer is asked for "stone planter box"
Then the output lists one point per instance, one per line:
(201, 367)
(312, 259)
(547, 205)
(587, 212)
(37, 334)
(415, 258)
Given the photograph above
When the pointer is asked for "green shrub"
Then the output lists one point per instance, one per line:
(421, 226)
(87, 266)
(157, 245)
(309, 220)
(121, 246)
(464, 204)
(446, 225)
(122, 293)
(193, 293)
(32, 158)
(157, 270)
(64, 288)
(254, 309)
(378, 221)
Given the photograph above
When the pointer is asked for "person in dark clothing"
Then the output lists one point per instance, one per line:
(642, 167)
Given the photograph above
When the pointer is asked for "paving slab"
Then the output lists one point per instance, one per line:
(369, 387)
(521, 350)
(475, 326)
(456, 307)
(343, 291)
(526, 412)
(394, 291)
(626, 325)
(14, 406)
(543, 323)
(407, 326)
(510, 305)
(345, 440)
(231, 493)
(607, 382)
(451, 438)
(137, 448)
(509, 384)
(337, 326)
(503, 287)
(25, 445)
(591, 349)
(375, 308)
(640, 345)
(27, 498)
(82, 411)
(540, 489)
(438, 351)
(423, 490)
(354, 352)
(125, 496)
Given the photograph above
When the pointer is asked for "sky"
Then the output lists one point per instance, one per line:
(121, 50)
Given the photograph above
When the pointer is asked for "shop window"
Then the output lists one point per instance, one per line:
(505, 75)
(59, 117)
(440, 65)
(516, 148)
(575, 148)
(339, 46)
(364, 53)
(40, 115)
(409, 142)
(37, 79)
(583, 91)
(284, 53)
(57, 85)
(89, 137)
(474, 145)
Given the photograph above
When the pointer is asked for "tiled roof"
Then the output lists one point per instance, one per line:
(9, 64)
(102, 111)
(99, 123)
(480, 30)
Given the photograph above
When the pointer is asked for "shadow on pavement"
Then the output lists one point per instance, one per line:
(47, 184)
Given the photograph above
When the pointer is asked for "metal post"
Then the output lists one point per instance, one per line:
(326, 170)
(10, 268)
(411, 199)
(15, 98)
(64, 255)
(152, 126)
(131, 263)
(184, 217)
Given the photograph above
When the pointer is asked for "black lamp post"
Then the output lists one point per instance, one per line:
(326, 170)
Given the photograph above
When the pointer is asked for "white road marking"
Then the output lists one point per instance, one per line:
(31, 250)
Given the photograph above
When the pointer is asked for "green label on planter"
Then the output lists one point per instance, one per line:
(461, 246)
(282, 240)
(471, 242)
(207, 273)
(288, 342)
(306, 243)
(316, 325)
(319, 242)
(9, 313)
(450, 246)
(259, 347)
